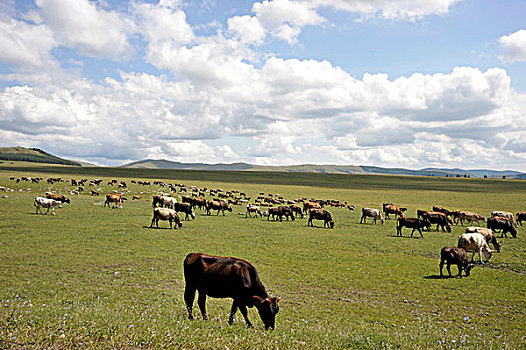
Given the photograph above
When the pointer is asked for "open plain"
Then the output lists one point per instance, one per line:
(97, 277)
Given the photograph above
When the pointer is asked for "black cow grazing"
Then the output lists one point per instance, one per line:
(415, 224)
(457, 256)
(222, 277)
(280, 212)
(521, 216)
(321, 214)
(502, 223)
(185, 208)
(440, 219)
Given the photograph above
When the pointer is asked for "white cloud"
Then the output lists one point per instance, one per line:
(25, 45)
(247, 29)
(513, 47)
(80, 24)
(389, 9)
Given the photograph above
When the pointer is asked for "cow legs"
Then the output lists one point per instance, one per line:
(201, 301)
(232, 312)
(189, 295)
(151, 225)
(421, 235)
(243, 310)
(363, 218)
(480, 256)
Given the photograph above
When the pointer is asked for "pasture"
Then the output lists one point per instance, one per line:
(96, 277)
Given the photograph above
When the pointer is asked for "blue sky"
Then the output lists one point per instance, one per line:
(388, 83)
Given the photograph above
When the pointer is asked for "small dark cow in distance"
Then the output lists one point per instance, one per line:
(502, 223)
(57, 197)
(280, 212)
(166, 214)
(414, 223)
(321, 214)
(455, 256)
(435, 217)
(521, 216)
(222, 277)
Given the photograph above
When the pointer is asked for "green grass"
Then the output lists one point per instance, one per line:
(95, 277)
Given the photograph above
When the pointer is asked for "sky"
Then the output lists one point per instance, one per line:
(392, 83)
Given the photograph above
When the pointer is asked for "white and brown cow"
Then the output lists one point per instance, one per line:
(41, 202)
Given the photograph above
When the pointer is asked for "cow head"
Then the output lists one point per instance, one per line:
(331, 224)
(179, 224)
(513, 231)
(448, 228)
(193, 216)
(426, 224)
(468, 267)
(497, 246)
(229, 208)
(267, 308)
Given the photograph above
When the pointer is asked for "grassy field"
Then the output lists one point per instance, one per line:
(95, 277)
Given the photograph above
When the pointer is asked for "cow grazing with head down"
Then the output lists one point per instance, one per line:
(475, 242)
(440, 219)
(505, 214)
(488, 235)
(116, 198)
(456, 256)
(521, 216)
(280, 212)
(222, 277)
(57, 197)
(220, 206)
(469, 216)
(414, 223)
(184, 208)
(166, 214)
(373, 213)
(502, 223)
(251, 208)
(307, 206)
(41, 202)
(321, 214)
(297, 210)
(393, 209)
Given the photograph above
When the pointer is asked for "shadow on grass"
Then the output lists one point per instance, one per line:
(156, 228)
(396, 236)
(438, 277)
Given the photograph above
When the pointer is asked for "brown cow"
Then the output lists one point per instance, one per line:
(307, 206)
(280, 212)
(439, 218)
(220, 206)
(57, 197)
(415, 224)
(115, 198)
(321, 214)
(457, 256)
(222, 277)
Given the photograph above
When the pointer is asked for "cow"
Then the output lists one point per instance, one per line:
(505, 214)
(251, 208)
(488, 234)
(414, 223)
(41, 202)
(220, 206)
(199, 202)
(95, 193)
(307, 206)
(420, 213)
(457, 256)
(115, 198)
(469, 216)
(435, 217)
(166, 214)
(297, 210)
(280, 212)
(185, 208)
(321, 214)
(502, 223)
(521, 216)
(57, 197)
(475, 242)
(389, 208)
(441, 210)
(137, 197)
(222, 277)
(163, 201)
(373, 213)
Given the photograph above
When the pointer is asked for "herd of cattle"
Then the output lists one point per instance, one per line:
(230, 277)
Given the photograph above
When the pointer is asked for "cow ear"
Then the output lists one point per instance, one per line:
(257, 300)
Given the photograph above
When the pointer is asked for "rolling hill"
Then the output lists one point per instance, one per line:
(329, 169)
(32, 155)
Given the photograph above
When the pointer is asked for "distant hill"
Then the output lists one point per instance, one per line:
(330, 169)
(32, 155)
